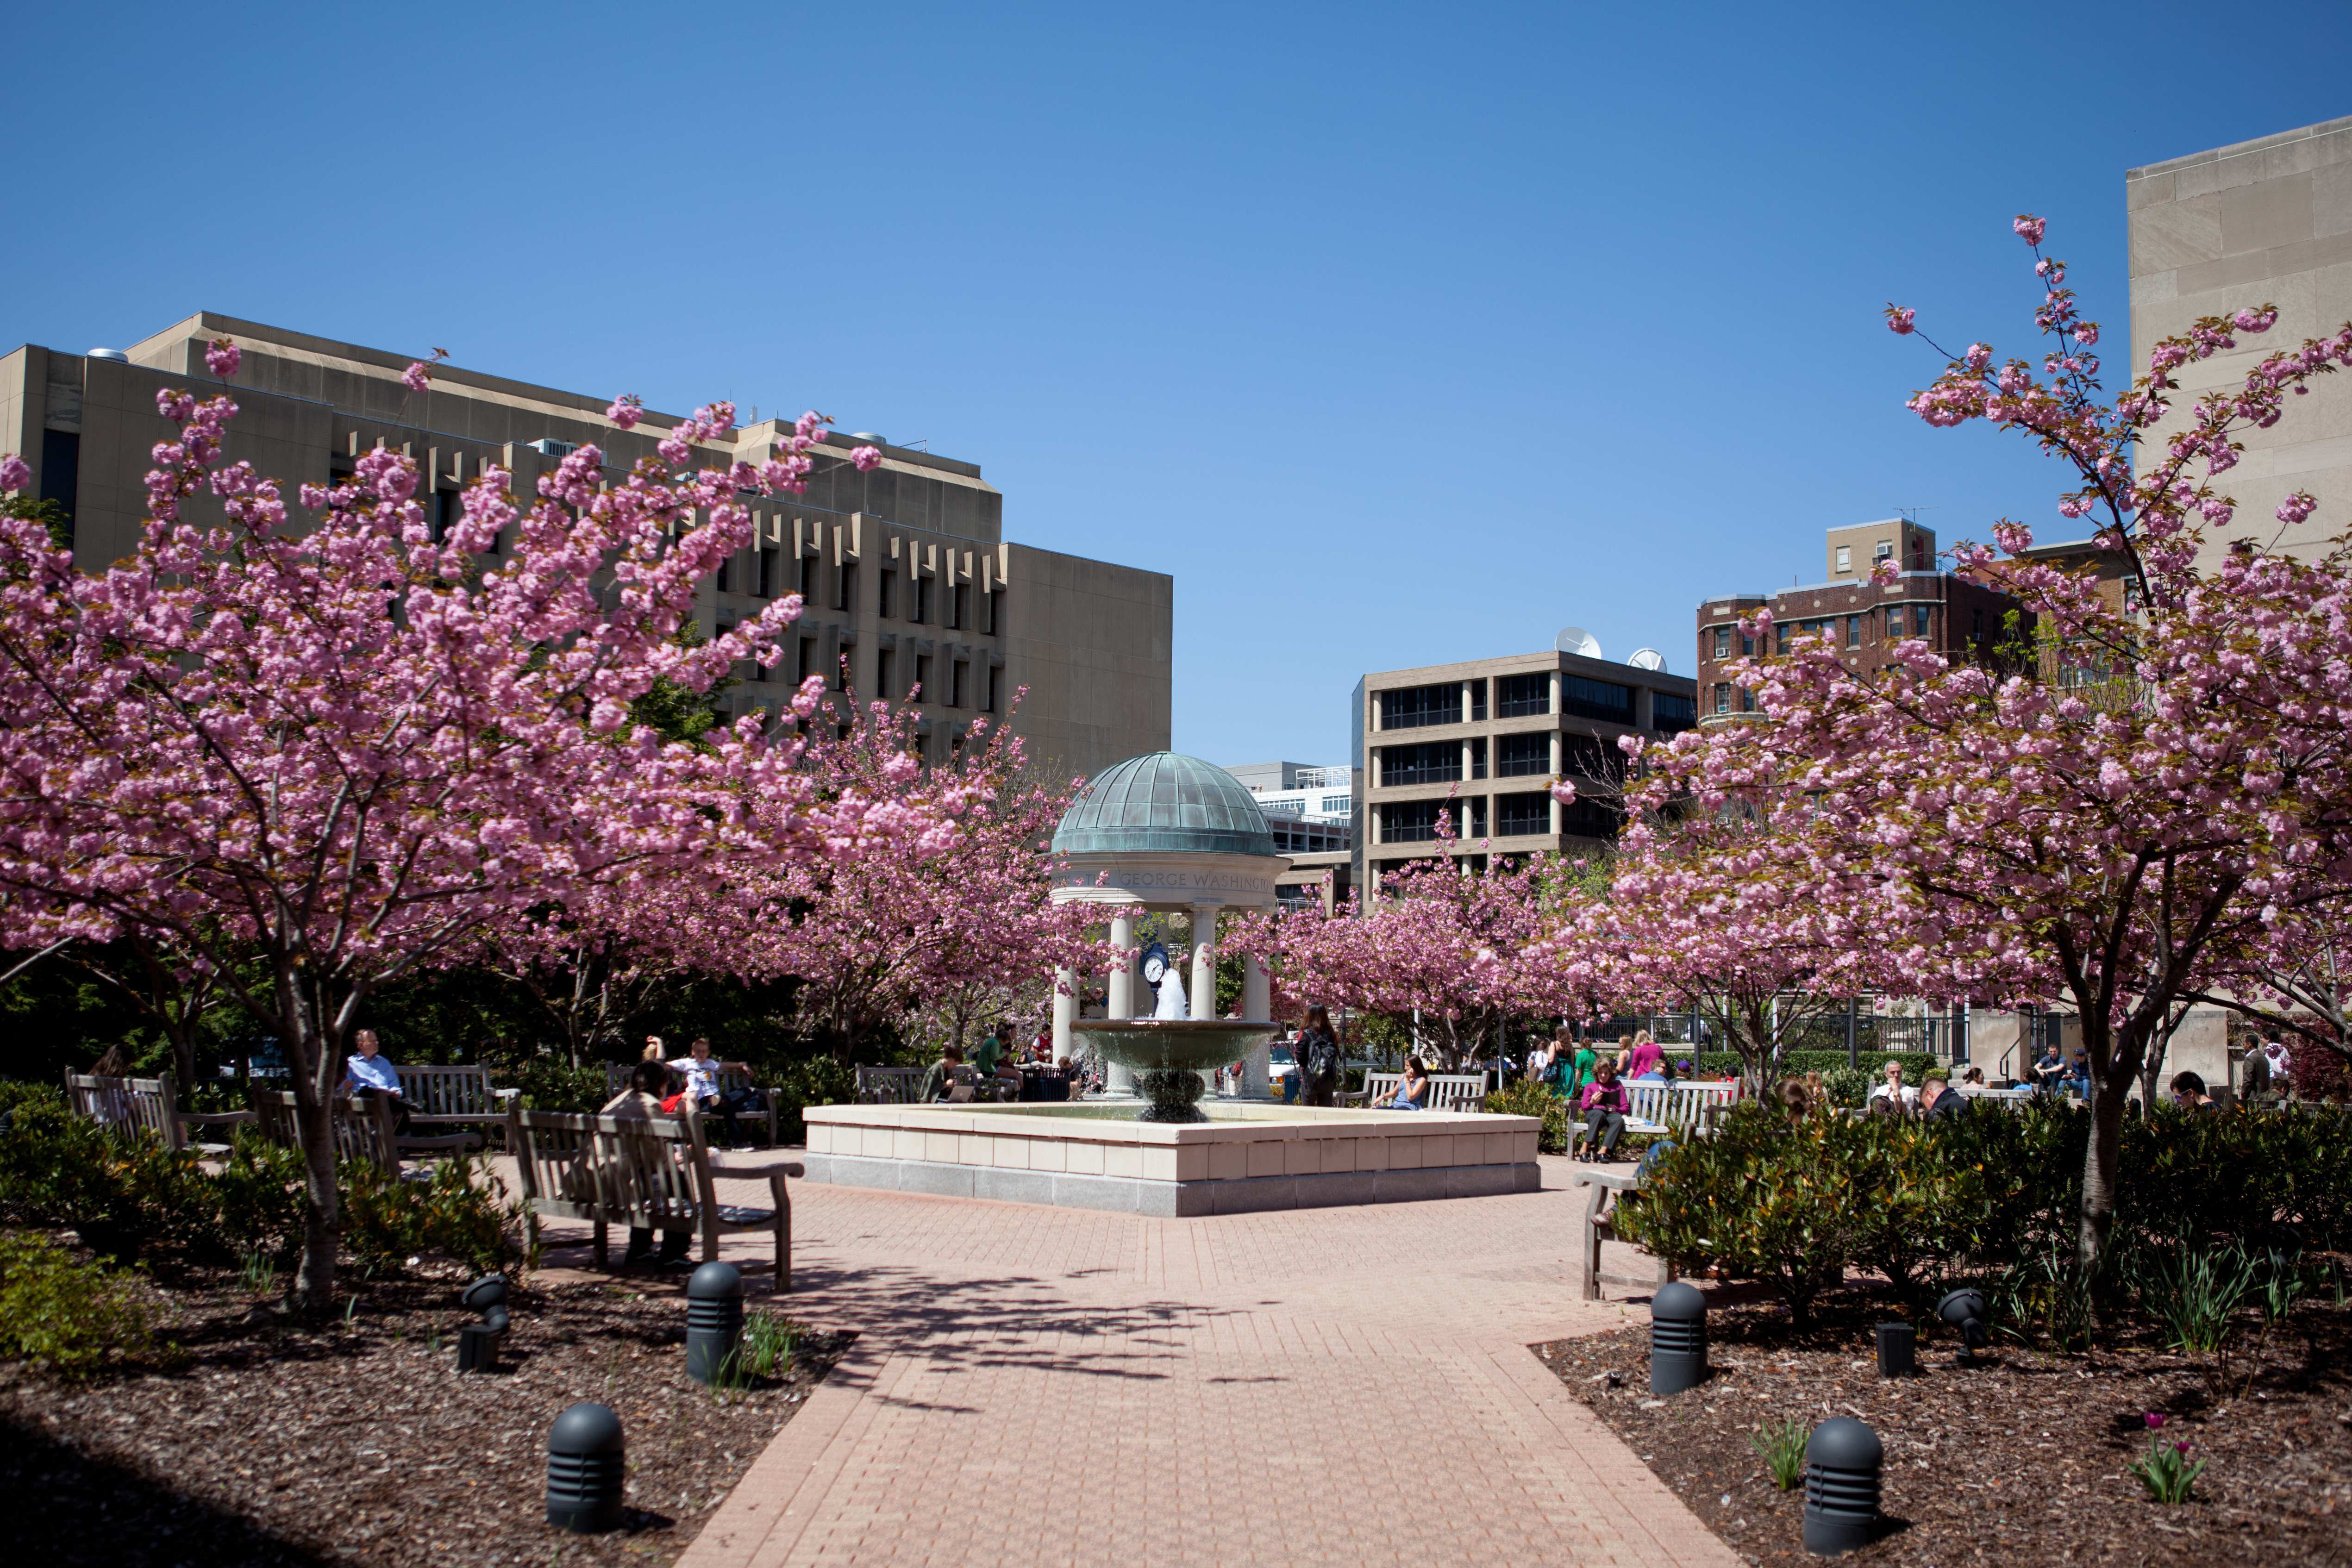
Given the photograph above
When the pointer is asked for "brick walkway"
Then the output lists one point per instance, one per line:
(1336, 1385)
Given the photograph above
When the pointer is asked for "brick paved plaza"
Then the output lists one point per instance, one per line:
(1333, 1385)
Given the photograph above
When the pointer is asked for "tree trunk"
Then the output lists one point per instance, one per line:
(2102, 1172)
(314, 1282)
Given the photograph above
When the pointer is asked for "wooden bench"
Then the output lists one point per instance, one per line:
(447, 1096)
(1596, 1223)
(363, 1126)
(1459, 1092)
(152, 1103)
(1656, 1109)
(645, 1174)
(616, 1078)
(888, 1085)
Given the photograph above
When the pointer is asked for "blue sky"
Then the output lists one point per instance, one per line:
(1396, 334)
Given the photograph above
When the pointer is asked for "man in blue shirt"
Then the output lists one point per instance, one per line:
(369, 1072)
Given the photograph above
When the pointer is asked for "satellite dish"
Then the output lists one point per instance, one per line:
(1648, 659)
(1577, 640)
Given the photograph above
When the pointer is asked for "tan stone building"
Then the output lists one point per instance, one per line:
(909, 577)
(1487, 740)
(2263, 221)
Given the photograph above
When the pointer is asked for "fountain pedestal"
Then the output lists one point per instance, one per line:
(1170, 1057)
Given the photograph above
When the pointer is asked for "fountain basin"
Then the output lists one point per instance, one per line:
(1169, 1055)
(1246, 1156)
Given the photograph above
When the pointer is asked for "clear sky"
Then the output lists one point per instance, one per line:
(1398, 334)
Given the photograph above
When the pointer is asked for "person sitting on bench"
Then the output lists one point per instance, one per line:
(1412, 1093)
(1604, 1104)
(642, 1101)
(369, 1072)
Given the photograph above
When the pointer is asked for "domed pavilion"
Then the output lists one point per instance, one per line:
(1172, 833)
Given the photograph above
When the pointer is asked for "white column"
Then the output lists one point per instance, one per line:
(1065, 1009)
(1122, 979)
(1204, 960)
(1258, 1003)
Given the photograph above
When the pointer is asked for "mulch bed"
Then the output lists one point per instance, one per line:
(2017, 1460)
(258, 1442)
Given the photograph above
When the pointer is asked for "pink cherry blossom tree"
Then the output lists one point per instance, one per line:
(959, 908)
(2032, 838)
(304, 756)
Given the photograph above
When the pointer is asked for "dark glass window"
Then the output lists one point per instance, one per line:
(808, 657)
(61, 471)
(1588, 819)
(1781, 637)
(960, 605)
(1604, 700)
(768, 573)
(1587, 755)
(1746, 646)
(1478, 757)
(993, 606)
(1894, 621)
(1518, 755)
(1517, 816)
(726, 571)
(1410, 707)
(846, 599)
(1410, 822)
(1672, 712)
(1432, 762)
(1722, 642)
(955, 684)
(807, 590)
(887, 592)
(885, 663)
(1523, 697)
(1918, 620)
(989, 688)
(1478, 816)
(1722, 698)
(1853, 630)
(921, 609)
(448, 511)
(1478, 701)
(923, 679)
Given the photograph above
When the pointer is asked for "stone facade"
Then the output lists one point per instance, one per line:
(2261, 222)
(906, 570)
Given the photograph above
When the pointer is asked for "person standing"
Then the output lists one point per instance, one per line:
(1642, 1056)
(1319, 1060)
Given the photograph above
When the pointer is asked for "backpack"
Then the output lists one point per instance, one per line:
(1322, 1057)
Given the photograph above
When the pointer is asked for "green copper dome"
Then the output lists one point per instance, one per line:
(1162, 803)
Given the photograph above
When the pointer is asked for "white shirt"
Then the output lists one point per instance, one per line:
(1880, 1091)
(701, 1076)
(372, 1070)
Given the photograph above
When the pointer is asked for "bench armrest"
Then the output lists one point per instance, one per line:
(505, 1096)
(218, 1118)
(755, 1172)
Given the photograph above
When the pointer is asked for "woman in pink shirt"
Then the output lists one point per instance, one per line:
(1646, 1057)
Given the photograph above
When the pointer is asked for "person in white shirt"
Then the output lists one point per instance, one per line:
(368, 1073)
(1891, 1093)
(701, 1069)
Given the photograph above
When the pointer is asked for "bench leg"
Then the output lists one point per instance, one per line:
(1587, 1252)
(604, 1252)
(783, 1201)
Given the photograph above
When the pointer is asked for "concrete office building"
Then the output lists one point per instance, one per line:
(909, 577)
(1862, 618)
(2263, 221)
(1309, 809)
(1488, 738)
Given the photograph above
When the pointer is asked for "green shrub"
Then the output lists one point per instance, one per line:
(547, 1084)
(388, 1220)
(1797, 1063)
(1919, 1202)
(815, 1080)
(257, 1197)
(57, 1308)
(117, 1187)
(1848, 1086)
(1524, 1099)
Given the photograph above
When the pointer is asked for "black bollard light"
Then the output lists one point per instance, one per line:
(1843, 1459)
(1677, 1339)
(1899, 1350)
(585, 1464)
(714, 1319)
(1965, 1311)
(478, 1343)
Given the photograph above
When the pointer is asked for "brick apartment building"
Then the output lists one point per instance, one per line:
(1862, 618)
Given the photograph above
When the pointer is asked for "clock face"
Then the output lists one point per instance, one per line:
(1154, 967)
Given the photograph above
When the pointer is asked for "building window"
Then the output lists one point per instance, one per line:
(1523, 697)
(1722, 698)
(1672, 713)
(1894, 621)
(1410, 822)
(1781, 637)
(1722, 642)
(1585, 755)
(885, 663)
(840, 678)
(1882, 550)
(988, 690)
(808, 657)
(1517, 816)
(61, 473)
(1603, 700)
(1976, 624)
(955, 683)
(922, 687)
(1845, 558)
(1410, 707)
(1588, 819)
(726, 571)
(1334, 805)
(1478, 757)
(1746, 646)
(921, 609)
(1478, 816)
(1478, 702)
(1918, 620)
(960, 605)
(807, 590)
(1431, 762)
(771, 569)
(992, 605)
(846, 599)
(1747, 700)
(885, 592)
(1853, 630)
(1517, 756)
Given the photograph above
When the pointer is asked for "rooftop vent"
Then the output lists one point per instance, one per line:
(117, 355)
(548, 446)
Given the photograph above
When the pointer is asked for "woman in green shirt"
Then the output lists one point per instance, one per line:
(1571, 1068)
